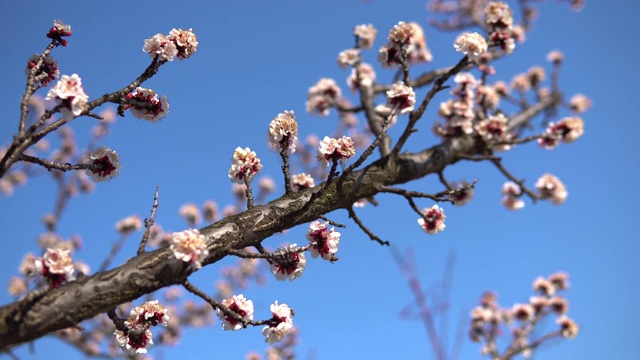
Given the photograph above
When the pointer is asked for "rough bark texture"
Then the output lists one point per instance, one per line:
(41, 313)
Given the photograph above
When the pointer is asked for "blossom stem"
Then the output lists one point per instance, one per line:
(285, 168)
(248, 192)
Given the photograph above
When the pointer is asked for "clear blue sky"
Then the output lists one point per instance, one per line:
(256, 59)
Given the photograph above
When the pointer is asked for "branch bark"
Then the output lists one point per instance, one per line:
(41, 313)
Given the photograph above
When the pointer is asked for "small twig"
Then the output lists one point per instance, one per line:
(332, 222)
(264, 254)
(148, 223)
(216, 305)
(519, 182)
(371, 147)
(415, 207)
(49, 165)
(347, 109)
(520, 141)
(405, 67)
(415, 194)
(95, 116)
(415, 115)
(372, 236)
(30, 89)
(444, 181)
(332, 173)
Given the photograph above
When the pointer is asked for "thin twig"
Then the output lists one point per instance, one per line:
(519, 182)
(219, 306)
(332, 222)
(49, 165)
(372, 236)
(415, 115)
(371, 147)
(148, 223)
(414, 194)
(444, 181)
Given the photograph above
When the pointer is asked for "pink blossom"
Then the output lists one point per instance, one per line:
(107, 164)
(432, 220)
(189, 246)
(69, 93)
(239, 305)
(402, 97)
(280, 324)
(288, 263)
(245, 164)
(324, 241)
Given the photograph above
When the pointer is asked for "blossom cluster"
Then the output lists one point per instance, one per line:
(401, 97)
(466, 113)
(322, 96)
(283, 132)
(145, 105)
(494, 130)
(245, 165)
(331, 149)
(407, 43)
(106, 164)
(499, 21)
(566, 130)
(367, 77)
(189, 246)
(488, 317)
(46, 72)
(432, 220)
(69, 93)
(471, 44)
(511, 194)
(58, 31)
(180, 43)
(366, 35)
(324, 241)
(551, 188)
(136, 338)
(55, 266)
(458, 114)
(348, 58)
(288, 263)
(129, 224)
(302, 181)
(280, 323)
(463, 194)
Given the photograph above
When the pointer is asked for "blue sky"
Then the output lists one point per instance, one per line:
(256, 59)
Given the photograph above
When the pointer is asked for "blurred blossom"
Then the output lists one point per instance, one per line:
(191, 213)
(17, 286)
(129, 224)
(432, 220)
(210, 211)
